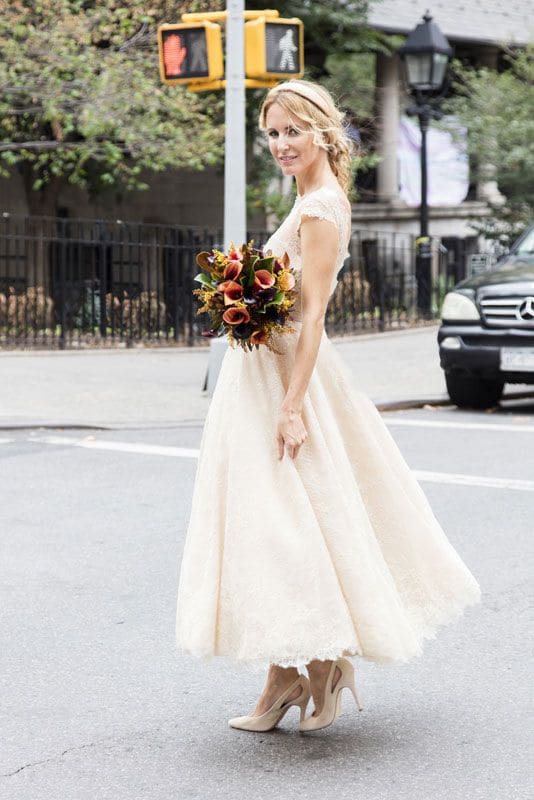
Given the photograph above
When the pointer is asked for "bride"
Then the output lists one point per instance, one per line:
(309, 541)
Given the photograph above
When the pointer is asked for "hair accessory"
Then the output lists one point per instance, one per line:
(302, 94)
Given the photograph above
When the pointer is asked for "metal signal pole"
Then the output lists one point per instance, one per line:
(235, 220)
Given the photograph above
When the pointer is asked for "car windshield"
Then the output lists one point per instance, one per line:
(527, 245)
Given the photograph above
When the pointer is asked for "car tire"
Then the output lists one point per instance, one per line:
(469, 391)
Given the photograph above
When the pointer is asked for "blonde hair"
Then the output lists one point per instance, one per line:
(311, 103)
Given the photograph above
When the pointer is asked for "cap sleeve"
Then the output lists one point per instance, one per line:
(317, 206)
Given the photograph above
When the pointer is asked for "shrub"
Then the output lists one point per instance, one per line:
(31, 306)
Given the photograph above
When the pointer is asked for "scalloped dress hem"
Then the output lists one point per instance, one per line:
(332, 653)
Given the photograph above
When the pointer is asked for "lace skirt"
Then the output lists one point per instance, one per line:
(334, 553)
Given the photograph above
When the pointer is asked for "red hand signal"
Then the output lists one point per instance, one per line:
(174, 54)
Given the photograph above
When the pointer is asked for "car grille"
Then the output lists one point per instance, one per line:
(516, 311)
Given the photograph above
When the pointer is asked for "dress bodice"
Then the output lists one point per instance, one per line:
(326, 203)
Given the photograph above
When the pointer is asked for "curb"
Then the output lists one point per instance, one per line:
(400, 405)
(403, 405)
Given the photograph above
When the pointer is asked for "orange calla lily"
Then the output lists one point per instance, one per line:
(236, 315)
(232, 292)
(259, 337)
(233, 269)
(235, 254)
(203, 261)
(263, 279)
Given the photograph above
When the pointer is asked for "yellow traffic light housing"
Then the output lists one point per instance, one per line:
(274, 48)
(190, 52)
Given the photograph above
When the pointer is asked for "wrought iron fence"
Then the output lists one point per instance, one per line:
(78, 282)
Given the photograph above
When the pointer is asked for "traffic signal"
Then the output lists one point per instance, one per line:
(274, 48)
(190, 52)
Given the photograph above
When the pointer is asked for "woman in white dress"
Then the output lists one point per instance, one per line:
(309, 540)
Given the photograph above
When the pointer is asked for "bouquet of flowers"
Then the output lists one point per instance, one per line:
(247, 294)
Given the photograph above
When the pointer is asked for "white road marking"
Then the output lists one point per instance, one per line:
(123, 447)
(475, 426)
(473, 480)
(6, 441)
(190, 452)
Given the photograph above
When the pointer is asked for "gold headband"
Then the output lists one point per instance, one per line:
(303, 95)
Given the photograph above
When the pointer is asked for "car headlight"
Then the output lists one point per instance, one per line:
(457, 306)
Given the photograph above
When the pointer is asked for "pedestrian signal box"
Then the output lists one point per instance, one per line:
(274, 48)
(190, 52)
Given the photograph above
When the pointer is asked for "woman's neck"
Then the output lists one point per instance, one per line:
(315, 177)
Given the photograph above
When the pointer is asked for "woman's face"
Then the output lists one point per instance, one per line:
(292, 150)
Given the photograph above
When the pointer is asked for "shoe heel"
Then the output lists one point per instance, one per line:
(303, 704)
(356, 697)
(350, 683)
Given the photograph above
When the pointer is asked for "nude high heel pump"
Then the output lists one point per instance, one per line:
(271, 718)
(332, 697)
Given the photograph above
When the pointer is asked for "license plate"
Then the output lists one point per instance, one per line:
(517, 359)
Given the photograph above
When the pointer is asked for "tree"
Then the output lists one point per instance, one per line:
(82, 101)
(496, 108)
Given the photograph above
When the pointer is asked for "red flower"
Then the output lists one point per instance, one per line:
(233, 269)
(236, 315)
(232, 292)
(263, 279)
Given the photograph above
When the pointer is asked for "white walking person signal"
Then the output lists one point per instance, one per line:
(287, 47)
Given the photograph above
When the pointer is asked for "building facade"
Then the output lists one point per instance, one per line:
(477, 31)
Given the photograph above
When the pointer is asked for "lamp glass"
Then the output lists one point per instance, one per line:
(418, 69)
(440, 65)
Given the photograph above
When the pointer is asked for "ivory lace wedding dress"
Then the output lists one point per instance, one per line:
(335, 553)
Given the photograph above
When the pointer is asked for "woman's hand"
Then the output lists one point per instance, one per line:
(290, 433)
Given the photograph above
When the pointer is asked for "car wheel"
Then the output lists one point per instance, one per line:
(468, 391)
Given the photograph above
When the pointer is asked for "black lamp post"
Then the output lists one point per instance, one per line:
(425, 54)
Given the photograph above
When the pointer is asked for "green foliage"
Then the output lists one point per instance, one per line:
(351, 80)
(496, 109)
(81, 97)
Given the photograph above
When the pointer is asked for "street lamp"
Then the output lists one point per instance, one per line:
(425, 55)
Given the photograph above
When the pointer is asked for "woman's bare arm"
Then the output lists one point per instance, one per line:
(319, 247)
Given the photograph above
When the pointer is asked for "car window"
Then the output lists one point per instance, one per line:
(527, 245)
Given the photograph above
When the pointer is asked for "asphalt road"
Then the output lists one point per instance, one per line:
(97, 704)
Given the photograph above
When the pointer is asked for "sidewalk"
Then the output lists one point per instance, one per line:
(149, 387)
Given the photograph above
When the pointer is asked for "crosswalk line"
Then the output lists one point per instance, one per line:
(424, 476)
(474, 480)
(122, 447)
(474, 426)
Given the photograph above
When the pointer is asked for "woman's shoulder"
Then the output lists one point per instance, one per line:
(326, 200)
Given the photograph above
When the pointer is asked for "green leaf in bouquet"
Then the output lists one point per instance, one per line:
(247, 276)
(277, 299)
(204, 280)
(265, 263)
(249, 258)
